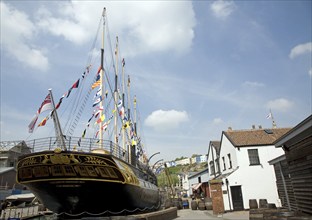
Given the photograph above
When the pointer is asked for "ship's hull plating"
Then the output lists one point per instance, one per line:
(85, 183)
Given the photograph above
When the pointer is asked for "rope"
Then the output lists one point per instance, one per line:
(124, 211)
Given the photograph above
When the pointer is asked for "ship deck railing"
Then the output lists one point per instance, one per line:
(77, 144)
(80, 145)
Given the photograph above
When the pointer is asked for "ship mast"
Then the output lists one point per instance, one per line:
(129, 144)
(58, 131)
(123, 105)
(102, 77)
(116, 96)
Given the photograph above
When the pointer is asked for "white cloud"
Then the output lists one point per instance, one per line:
(66, 24)
(281, 104)
(253, 84)
(222, 9)
(166, 120)
(300, 50)
(141, 26)
(217, 121)
(310, 72)
(17, 33)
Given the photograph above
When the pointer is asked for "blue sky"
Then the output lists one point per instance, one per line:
(197, 67)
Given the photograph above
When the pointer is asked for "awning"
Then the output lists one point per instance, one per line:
(196, 186)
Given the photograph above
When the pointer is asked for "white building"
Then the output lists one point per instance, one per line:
(198, 180)
(184, 182)
(171, 163)
(213, 158)
(202, 158)
(193, 160)
(241, 162)
(184, 161)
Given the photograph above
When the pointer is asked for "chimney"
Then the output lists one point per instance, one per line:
(253, 127)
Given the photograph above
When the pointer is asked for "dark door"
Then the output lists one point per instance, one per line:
(237, 198)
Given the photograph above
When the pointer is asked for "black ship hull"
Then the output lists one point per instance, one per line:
(87, 184)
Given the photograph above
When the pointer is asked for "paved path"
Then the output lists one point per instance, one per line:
(189, 214)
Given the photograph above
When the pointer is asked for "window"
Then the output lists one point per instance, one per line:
(253, 157)
(217, 165)
(230, 161)
(199, 179)
(212, 169)
(224, 167)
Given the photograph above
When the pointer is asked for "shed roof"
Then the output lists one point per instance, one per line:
(303, 129)
(198, 173)
(254, 137)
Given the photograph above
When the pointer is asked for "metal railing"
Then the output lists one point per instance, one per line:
(87, 145)
(77, 144)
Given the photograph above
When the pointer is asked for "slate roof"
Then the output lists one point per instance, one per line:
(255, 137)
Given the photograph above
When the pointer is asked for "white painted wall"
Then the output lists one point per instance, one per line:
(257, 182)
(211, 151)
(203, 158)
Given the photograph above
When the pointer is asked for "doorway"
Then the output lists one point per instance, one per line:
(237, 198)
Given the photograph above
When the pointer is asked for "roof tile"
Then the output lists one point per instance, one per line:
(255, 137)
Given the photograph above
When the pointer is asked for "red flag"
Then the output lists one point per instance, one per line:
(46, 104)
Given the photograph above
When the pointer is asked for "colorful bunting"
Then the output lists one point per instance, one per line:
(98, 93)
(97, 82)
(101, 119)
(43, 122)
(75, 85)
(97, 101)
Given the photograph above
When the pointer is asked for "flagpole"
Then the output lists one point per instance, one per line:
(58, 131)
(273, 122)
(270, 115)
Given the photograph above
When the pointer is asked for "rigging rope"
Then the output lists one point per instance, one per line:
(78, 98)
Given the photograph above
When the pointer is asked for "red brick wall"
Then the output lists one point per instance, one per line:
(217, 196)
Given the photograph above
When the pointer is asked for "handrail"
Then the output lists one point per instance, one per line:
(77, 144)
(83, 145)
